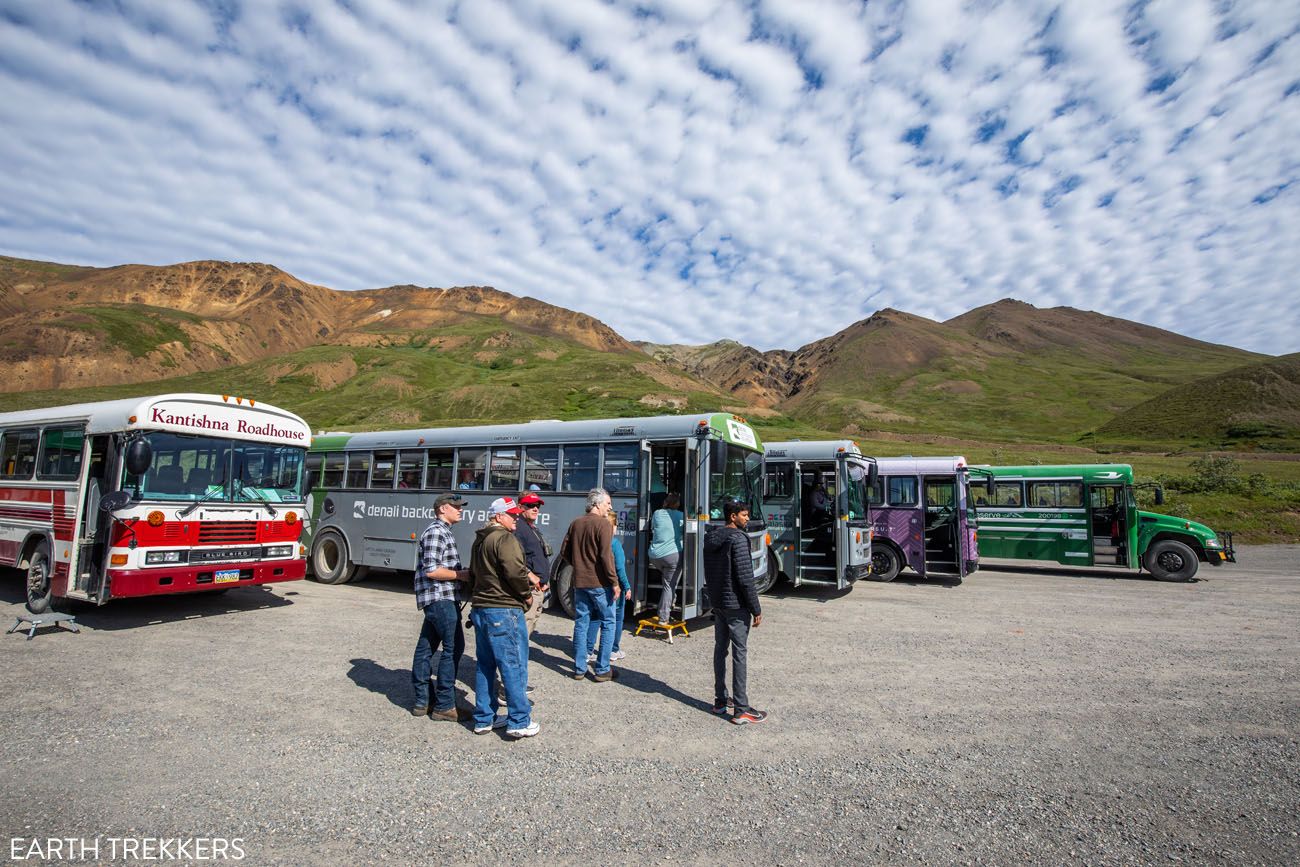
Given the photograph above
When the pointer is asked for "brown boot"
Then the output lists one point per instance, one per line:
(450, 714)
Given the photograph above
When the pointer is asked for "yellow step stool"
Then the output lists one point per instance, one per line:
(654, 623)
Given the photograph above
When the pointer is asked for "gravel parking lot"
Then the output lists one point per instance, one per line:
(1024, 716)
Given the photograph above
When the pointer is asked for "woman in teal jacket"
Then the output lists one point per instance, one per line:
(666, 550)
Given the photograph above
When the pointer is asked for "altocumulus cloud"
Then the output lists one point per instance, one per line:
(685, 170)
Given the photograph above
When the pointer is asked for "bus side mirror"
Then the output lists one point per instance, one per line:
(873, 474)
(114, 501)
(1160, 496)
(139, 457)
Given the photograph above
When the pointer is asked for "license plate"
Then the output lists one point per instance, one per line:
(225, 576)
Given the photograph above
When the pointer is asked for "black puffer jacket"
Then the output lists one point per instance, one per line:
(728, 570)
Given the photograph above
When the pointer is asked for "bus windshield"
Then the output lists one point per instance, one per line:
(735, 474)
(215, 470)
(856, 489)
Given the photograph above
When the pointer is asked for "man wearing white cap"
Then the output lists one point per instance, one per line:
(501, 594)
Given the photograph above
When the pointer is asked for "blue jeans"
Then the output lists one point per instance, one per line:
(441, 634)
(501, 641)
(620, 611)
(586, 602)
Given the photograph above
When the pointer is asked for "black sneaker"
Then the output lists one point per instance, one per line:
(749, 715)
(721, 705)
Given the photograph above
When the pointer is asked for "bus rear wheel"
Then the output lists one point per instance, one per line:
(39, 588)
(1171, 560)
(885, 563)
(330, 562)
(562, 588)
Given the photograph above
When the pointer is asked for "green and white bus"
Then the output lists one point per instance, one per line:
(1087, 515)
(373, 493)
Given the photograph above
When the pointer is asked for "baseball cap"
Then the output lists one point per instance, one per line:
(503, 506)
(531, 499)
(450, 500)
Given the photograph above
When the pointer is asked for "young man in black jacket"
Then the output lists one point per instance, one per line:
(729, 575)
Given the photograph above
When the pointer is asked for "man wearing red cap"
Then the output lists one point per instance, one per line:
(537, 554)
(499, 583)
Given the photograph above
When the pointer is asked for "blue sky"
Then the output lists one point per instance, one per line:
(684, 170)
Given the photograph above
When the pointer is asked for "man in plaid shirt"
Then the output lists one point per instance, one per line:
(439, 593)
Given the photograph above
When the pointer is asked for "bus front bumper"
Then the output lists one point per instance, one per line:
(124, 583)
(1225, 553)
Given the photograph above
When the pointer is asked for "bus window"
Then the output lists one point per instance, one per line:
(541, 464)
(1042, 495)
(469, 469)
(61, 452)
(981, 492)
(409, 464)
(358, 469)
(1008, 494)
(622, 474)
(579, 471)
(778, 482)
(1070, 495)
(439, 473)
(939, 493)
(503, 474)
(332, 476)
(18, 454)
(381, 475)
(876, 493)
(856, 488)
(314, 462)
(902, 490)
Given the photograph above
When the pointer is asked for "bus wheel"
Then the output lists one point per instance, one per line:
(39, 589)
(329, 559)
(1171, 560)
(773, 576)
(885, 563)
(562, 588)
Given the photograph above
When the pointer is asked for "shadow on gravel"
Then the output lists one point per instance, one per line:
(633, 679)
(821, 595)
(386, 579)
(393, 684)
(155, 610)
(1093, 573)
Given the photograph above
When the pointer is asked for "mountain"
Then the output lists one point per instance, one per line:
(1258, 402)
(403, 355)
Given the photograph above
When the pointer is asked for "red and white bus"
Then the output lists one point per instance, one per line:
(165, 494)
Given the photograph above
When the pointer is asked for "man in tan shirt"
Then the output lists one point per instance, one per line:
(586, 548)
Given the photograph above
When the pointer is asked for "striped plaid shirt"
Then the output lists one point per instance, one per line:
(437, 551)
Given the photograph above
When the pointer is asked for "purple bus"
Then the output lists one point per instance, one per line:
(923, 516)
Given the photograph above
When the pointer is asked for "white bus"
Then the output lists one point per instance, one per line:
(815, 502)
(151, 495)
(373, 493)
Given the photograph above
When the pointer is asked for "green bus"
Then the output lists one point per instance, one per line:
(1087, 515)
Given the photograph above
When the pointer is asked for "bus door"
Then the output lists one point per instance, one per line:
(664, 472)
(1108, 522)
(817, 563)
(93, 525)
(942, 536)
(852, 539)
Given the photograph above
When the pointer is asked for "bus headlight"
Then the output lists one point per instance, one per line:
(154, 558)
(278, 551)
(1212, 543)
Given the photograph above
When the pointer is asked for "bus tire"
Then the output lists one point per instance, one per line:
(40, 590)
(562, 588)
(1171, 560)
(772, 578)
(885, 563)
(359, 573)
(330, 563)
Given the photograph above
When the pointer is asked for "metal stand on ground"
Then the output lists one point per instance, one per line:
(49, 618)
(653, 623)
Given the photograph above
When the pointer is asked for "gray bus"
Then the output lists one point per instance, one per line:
(815, 504)
(373, 493)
